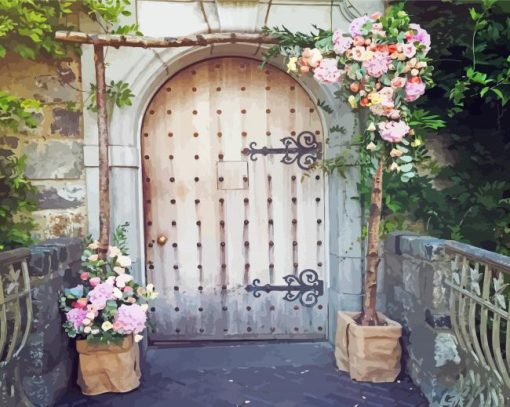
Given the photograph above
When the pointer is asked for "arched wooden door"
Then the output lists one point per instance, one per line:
(231, 213)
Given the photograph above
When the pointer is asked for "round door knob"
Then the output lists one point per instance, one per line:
(162, 239)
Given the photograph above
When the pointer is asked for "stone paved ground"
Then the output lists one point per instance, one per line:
(254, 374)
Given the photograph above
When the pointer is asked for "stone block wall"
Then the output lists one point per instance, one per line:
(414, 269)
(54, 149)
(48, 361)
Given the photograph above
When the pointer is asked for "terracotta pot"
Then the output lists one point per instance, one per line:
(108, 368)
(368, 353)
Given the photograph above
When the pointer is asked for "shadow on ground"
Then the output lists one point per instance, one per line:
(254, 374)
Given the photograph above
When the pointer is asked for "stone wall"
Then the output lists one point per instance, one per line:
(47, 362)
(54, 149)
(414, 269)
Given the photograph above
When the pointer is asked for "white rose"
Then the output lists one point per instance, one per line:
(124, 261)
(315, 58)
(87, 329)
(371, 146)
(107, 325)
(95, 331)
(86, 321)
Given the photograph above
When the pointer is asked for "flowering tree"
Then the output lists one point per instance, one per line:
(380, 66)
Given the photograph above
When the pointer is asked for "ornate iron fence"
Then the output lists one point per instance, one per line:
(479, 312)
(15, 317)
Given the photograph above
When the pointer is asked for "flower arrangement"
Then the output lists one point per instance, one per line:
(108, 304)
(380, 66)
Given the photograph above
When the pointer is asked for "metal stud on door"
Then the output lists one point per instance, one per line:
(217, 220)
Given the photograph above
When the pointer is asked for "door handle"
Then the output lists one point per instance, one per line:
(162, 239)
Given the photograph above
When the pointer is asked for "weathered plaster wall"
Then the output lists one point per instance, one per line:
(54, 149)
(414, 270)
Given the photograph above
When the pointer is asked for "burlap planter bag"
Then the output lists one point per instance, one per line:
(108, 368)
(368, 353)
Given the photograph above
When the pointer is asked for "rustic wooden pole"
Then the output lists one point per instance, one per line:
(116, 40)
(104, 172)
(369, 314)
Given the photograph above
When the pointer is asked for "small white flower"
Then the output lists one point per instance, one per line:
(87, 329)
(121, 280)
(371, 127)
(114, 251)
(119, 270)
(107, 325)
(371, 146)
(94, 245)
(117, 293)
(138, 338)
(394, 167)
(124, 261)
(93, 257)
(90, 315)
(95, 331)
(86, 321)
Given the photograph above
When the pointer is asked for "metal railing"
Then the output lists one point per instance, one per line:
(15, 315)
(479, 312)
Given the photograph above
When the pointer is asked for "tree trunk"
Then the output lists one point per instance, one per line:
(369, 314)
(102, 124)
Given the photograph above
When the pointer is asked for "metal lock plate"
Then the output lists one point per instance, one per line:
(232, 175)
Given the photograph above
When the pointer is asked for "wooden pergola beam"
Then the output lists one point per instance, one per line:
(115, 40)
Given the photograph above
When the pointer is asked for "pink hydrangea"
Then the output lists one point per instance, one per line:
(377, 66)
(130, 319)
(100, 294)
(356, 24)
(413, 91)
(422, 36)
(340, 42)
(392, 131)
(76, 316)
(327, 71)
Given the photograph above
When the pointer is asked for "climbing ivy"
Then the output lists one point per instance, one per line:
(27, 28)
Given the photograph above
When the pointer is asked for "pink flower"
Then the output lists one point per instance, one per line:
(378, 65)
(398, 82)
(76, 316)
(128, 289)
(358, 41)
(80, 303)
(94, 281)
(84, 276)
(377, 27)
(393, 132)
(311, 57)
(340, 42)
(356, 24)
(409, 50)
(376, 16)
(327, 71)
(100, 294)
(422, 36)
(413, 91)
(394, 114)
(130, 319)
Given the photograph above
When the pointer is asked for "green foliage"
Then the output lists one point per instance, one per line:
(16, 112)
(468, 200)
(120, 238)
(117, 93)
(16, 203)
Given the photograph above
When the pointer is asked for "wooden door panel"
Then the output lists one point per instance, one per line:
(229, 219)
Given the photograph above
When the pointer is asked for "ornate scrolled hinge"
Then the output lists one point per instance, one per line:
(305, 150)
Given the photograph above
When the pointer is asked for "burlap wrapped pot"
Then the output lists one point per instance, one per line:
(108, 368)
(368, 353)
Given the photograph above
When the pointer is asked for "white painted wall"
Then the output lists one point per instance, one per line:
(146, 70)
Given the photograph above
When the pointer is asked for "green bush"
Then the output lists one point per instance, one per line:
(16, 204)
